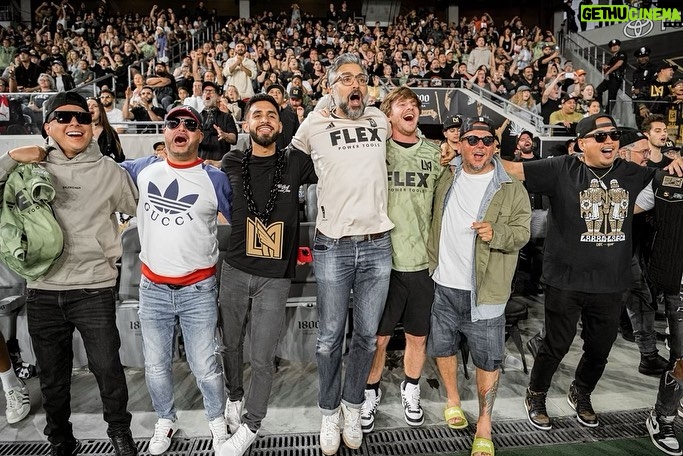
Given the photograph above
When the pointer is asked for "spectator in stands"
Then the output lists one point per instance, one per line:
(179, 255)
(476, 194)
(352, 223)
(240, 71)
(255, 278)
(103, 133)
(159, 149)
(78, 290)
(114, 115)
(163, 84)
(674, 112)
(566, 115)
(196, 100)
(659, 92)
(63, 81)
(143, 110)
(7, 52)
(522, 98)
(410, 293)
(613, 72)
(26, 72)
(551, 100)
(584, 98)
(82, 75)
(451, 133)
(218, 128)
(296, 101)
(288, 118)
(480, 56)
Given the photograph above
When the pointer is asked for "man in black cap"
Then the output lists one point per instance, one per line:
(644, 72)
(219, 128)
(159, 148)
(674, 112)
(587, 259)
(613, 73)
(451, 134)
(485, 213)
(296, 101)
(289, 119)
(26, 73)
(659, 92)
(78, 290)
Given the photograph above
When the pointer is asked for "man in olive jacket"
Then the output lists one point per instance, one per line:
(481, 220)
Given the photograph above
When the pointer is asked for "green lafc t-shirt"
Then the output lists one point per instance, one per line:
(413, 173)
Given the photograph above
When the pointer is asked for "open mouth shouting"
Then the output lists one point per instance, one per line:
(356, 99)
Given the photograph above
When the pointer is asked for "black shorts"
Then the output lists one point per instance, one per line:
(409, 300)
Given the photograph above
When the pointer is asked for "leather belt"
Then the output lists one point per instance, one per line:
(363, 237)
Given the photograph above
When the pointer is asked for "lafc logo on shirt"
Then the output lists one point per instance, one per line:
(264, 242)
(355, 135)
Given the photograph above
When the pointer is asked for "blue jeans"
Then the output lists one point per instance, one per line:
(340, 266)
(52, 317)
(195, 308)
(259, 302)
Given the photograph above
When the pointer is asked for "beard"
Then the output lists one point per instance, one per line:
(263, 140)
(351, 113)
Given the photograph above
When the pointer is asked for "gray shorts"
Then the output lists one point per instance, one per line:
(452, 319)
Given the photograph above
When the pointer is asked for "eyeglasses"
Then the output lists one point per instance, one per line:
(642, 152)
(64, 117)
(347, 79)
(190, 124)
(601, 136)
(474, 140)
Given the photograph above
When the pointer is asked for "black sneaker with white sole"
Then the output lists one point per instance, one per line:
(661, 430)
(581, 403)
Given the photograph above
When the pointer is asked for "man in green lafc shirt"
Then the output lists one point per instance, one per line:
(413, 169)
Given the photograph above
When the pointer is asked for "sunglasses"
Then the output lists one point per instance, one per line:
(190, 124)
(601, 136)
(474, 140)
(64, 117)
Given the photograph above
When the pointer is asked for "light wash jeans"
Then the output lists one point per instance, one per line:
(340, 266)
(195, 308)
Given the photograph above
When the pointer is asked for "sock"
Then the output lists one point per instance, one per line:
(412, 381)
(373, 386)
(9, 380)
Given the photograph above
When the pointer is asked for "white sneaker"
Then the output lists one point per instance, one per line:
(329, 433)
(233, 415)
(18, 404)
(352, 432)
(163, 432)
(368, 409)
(240, 442)
(412, 410)
(219, 431)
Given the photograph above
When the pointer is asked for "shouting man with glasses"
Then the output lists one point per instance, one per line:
(78, 290)
(481, 220)
(218, 127)
(180, 198)
(587, 261)
(352, 247)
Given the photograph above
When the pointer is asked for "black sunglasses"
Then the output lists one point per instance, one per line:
(64, 117)
(190, 124)
(474, 140)
(601, 136)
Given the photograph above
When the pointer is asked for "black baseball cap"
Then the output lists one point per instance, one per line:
(296, 93)
(630, 138)
(664, 65)
(63, 99)
(669, 145)
(452, 122)
(157, 144)
(186, 111)
(590, 123)
(642, 51)
(206, 84)
(474, 123)
(614, 42)
(526, 132)
(278, 87)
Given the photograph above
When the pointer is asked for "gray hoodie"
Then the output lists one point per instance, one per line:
(90, 189)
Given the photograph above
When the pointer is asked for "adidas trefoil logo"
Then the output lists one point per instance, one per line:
(169, 202)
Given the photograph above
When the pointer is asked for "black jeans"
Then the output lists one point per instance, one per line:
(52, 317)
(599, 313)
(611, 86)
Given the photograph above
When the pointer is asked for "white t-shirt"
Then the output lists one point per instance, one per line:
(456, 244)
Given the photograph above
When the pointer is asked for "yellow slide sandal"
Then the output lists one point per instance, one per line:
(456, 413)
(482, 446)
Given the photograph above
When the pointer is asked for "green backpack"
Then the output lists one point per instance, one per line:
(30, 237)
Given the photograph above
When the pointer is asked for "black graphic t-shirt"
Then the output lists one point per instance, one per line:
(266, 251)
(588, 246)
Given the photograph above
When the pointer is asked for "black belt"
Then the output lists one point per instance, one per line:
(363, 237)
(175, 287)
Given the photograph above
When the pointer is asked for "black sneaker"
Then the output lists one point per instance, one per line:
(123, 444)
(653, 364)
(581, 403)
(68, 448)
(661, 430)
(535, 410)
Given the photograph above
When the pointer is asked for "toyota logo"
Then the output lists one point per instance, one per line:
(637, 29)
